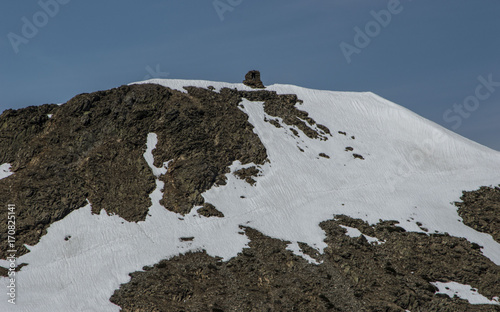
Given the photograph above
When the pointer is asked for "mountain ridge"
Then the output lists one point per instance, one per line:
(213, 157)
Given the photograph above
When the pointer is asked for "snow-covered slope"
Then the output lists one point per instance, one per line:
(412, 171)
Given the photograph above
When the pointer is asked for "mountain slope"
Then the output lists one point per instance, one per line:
(279, 161)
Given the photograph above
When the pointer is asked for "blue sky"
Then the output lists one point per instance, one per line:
(433, 57)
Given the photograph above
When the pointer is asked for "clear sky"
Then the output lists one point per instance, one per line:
(441, 59)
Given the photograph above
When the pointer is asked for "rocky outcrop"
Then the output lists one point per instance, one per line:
(252, 79)
(480, 209)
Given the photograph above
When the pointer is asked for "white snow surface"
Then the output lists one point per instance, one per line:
(295, 248)
(412, 172)
(5, 171)
(353, 232)
(465, 292)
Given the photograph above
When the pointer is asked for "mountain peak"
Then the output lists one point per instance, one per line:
(224, 173)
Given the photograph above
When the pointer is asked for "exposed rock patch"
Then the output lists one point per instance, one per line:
(274, 122)
(480, 210)
(209, 210)
(4, 272)
(283, 106)
(247, 174)
(358, 156)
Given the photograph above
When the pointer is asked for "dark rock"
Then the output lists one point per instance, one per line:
(274, 122)
(480, 210)
(247, 174)
(358, 156)
(209, 210)
(252, 79)
(284, 106)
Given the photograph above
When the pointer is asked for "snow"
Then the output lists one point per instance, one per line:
(148, 156)
(465, 292)
(5, 171)
(412, 172)
(353, 232)
(295, 248)
(50, 115)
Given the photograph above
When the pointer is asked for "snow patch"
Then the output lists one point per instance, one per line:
(465, 292)
(353, 232)
(295, 248)
(5, 171)
(148, 156)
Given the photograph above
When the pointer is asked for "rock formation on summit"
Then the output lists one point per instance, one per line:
(252, 79)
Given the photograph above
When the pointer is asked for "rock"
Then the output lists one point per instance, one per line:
(208, 210)
(480, 209)
(252, 79)
(358, 156)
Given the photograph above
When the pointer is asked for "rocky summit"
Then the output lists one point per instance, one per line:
(190, 195)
